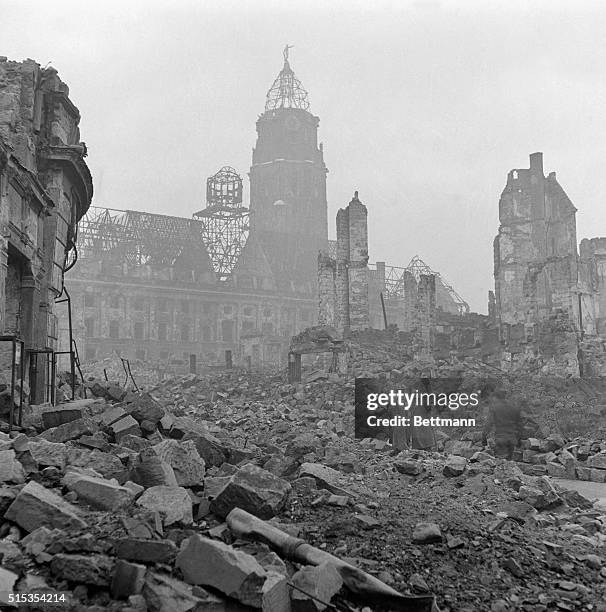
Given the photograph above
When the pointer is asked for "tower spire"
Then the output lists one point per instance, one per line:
(286, 91)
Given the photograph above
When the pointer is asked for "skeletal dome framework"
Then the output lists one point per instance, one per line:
(286, 91)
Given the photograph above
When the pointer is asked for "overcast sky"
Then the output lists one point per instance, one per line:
(424, 106)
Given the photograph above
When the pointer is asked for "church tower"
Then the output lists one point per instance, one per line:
(288, 185)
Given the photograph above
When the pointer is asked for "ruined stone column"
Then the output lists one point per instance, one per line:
(426, 308)
(341, 272)
(358, 265)
(326, 289)
(410, 301)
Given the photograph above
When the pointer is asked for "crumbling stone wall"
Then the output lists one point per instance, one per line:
(592, 286)
(45, 188)
(536, 268)
(343, 281)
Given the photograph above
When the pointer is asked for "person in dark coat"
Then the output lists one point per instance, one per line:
(503, 428)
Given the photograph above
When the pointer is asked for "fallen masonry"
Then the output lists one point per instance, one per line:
(161, 516)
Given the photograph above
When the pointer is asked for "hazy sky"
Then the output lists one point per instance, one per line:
(424, 106)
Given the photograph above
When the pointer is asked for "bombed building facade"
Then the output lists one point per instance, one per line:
(45, 189)
(233, 283)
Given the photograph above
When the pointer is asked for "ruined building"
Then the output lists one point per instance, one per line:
(45, 189)
(233, 282)
(353, 296)
(343, 280)
(549, 297)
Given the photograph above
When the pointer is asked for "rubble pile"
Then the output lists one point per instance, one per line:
(126, 501)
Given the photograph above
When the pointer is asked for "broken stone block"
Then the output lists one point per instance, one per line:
(151, 471)
(87, 569)
(410, 467)
(20, 443)
(556, 469)
(134, 488)
(134, 443)
(239, 455)
(322, 582)
(207, 562)
(338, 500)
(325, 477)
(426, 533)
(583, 472)
(211, 449)
(575, 500)
(533, 496)
(181, 426)
(100, 493)
(182, 456)
(10, 469)
(46, 453)
(174, 503)
(275, 595)
(37, 506)
(116, 393)
(115, 413)
(97, 441)
(212, 486)
(163, 593)
(554, 442)
(35, 542)
(479, 456)
(166, 422)
(148, 428)
(145, 408)
(145, 551)
(597, 475)
(7, 584)
(106, 464)
(125, 427)
(597, 461)
(569, 462)
(60, 415)
(455, 465)
(462, 448)
(253, 489)
(128, 579)
(7, 497)
(68, 431)
(305, 485)
(534, 444)
(366, 522)
(531, 469)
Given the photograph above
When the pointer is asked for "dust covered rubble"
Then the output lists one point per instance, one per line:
(121, 501)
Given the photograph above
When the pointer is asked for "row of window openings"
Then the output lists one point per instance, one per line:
(138, 330)
(139, 304)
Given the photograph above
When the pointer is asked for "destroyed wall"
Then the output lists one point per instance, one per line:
(592, 286)
(45, 188)
(343, 281)
(536, 269)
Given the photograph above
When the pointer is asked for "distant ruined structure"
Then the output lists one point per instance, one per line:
(549, 299)
(233, 282)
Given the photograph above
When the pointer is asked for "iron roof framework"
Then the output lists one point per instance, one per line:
(394, 281)
(137, 238)
(218, 233)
